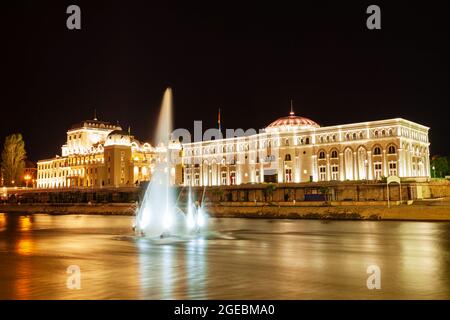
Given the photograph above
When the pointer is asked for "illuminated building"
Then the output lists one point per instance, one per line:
(97, 154)
(296, 149)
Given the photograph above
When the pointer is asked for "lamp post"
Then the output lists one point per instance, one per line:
(366, 164)
(27, 179)
(434, 171)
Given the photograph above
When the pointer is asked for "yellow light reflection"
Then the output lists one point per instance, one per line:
(25, 223)
(25, 247)
(2, 222)
(22, 284)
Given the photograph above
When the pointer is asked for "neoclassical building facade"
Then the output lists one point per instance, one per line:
(97, 154)
(295, 149)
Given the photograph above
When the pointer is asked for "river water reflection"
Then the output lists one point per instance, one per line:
(251, 259)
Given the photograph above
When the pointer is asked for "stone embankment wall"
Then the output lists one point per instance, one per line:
(316, 210)
(344, 200)
(267, 193)
(329, 191)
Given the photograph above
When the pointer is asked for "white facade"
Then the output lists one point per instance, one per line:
(97, 154)
(296, 149)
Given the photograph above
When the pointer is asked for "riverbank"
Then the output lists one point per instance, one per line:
(124, 209)
(370, 210)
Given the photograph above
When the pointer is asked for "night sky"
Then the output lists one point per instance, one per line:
(249, 60)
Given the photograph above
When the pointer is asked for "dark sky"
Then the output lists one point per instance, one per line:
(250, 60)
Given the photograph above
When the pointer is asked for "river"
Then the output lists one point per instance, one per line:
(240, 259)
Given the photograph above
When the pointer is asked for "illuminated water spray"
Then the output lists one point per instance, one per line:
(158, 214)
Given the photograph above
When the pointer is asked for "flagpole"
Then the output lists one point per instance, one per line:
(218, 121)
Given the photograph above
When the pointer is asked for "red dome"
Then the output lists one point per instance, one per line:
(293, 121)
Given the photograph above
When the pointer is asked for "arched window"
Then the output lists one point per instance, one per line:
(377, 151)
(321, 155)
(334, 154)
(391, 150)
(307, 141)
(287, 157)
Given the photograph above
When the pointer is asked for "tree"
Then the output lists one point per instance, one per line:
(325, 191)
(268, 191)
(440, 165)
(13, 158)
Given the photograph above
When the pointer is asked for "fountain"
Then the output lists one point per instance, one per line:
(158, 215)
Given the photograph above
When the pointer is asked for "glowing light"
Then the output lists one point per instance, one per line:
(200, 218)
(190, 222)
(145, 218)
(25, 247)
(25, 223)
(167, 221)
(159, 202)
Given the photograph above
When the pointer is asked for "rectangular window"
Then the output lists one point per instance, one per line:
(334, 172)
(392, 168)
(322, 173)
(223, 179)
(233, 178)
(288, 175)
(377, 170)
(197, 179)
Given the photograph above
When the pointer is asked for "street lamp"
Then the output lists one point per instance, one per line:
(27, 179)
(434, 171)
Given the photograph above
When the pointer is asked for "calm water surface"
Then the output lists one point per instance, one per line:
(250, 259)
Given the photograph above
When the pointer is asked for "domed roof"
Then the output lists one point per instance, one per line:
(293, 122)
(118, 132)
(118, 137)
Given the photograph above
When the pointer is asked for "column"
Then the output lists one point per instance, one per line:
(328, 167)
(401, 163)
(369, 166)
(355, 166)
(385, 172)
(314, 168)
(297, 170)
(219, 174)
(427, 165)
(341, 167)
(261, 172)
(281, 177)
(410, 156)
